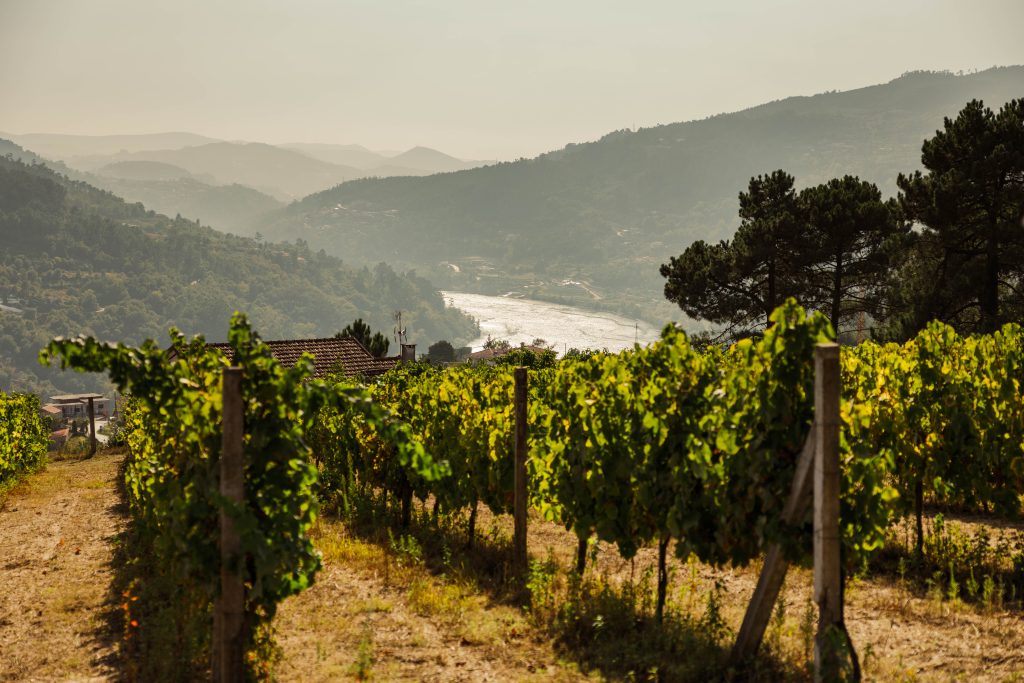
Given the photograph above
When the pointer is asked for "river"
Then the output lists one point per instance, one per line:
(564, 327)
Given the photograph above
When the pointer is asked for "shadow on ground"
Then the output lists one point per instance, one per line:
(603, 625)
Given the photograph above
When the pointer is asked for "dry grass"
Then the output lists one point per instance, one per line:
(380, 614)
(901, 634)
(56, 531)
(437, 604)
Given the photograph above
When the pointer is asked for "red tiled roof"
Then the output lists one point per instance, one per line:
(486, 354)
(328, 354)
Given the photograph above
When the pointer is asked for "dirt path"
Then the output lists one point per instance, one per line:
(56, 533)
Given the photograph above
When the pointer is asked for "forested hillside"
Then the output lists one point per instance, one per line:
(77, 259)
(232, 208)
(607, 213)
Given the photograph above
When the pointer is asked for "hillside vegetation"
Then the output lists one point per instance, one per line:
(607, 213)
(77, 259)
(233, 208)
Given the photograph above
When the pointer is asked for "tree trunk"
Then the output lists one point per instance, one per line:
(837, 293)
(662, 579)
(581, 555)
(406, 506)
(771, 292)
(919, 514)
(472, 524)
(989, 299)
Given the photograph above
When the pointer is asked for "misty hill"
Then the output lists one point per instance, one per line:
(607, 213)
(416, 161)
(66, 147)
(19, 153)
(281, 173)
(346, 155)
(231, 208)
(426, 159)
(143, 170)
(77, 259)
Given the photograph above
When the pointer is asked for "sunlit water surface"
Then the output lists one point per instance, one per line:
(566, 327)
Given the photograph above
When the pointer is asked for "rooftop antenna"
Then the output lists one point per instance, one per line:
(400, 332)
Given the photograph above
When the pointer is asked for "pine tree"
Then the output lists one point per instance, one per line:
(969, 261)
(739, 282)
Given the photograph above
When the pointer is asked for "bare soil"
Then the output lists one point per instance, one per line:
(56, 534)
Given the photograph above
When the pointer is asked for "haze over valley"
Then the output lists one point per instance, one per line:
(586, 223)
(590, 223)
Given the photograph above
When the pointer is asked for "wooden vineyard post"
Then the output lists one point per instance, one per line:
(808, 482)
(519, 551)
(831, 636)
(92, 427)
(229, 613)
(769, 583)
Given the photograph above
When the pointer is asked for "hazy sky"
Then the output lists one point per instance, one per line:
(475, 78)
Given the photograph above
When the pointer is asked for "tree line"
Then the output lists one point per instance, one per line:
(949, 246)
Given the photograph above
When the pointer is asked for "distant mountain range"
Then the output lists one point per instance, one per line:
(59, 146)
(285, 172)
(225, 184)
(590, 223)
(416, 161)
(167, 189)
(280, 173)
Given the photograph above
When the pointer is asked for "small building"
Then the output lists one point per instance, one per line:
(58, 438)
(332, 354)
(52, 411)
(76, 406)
